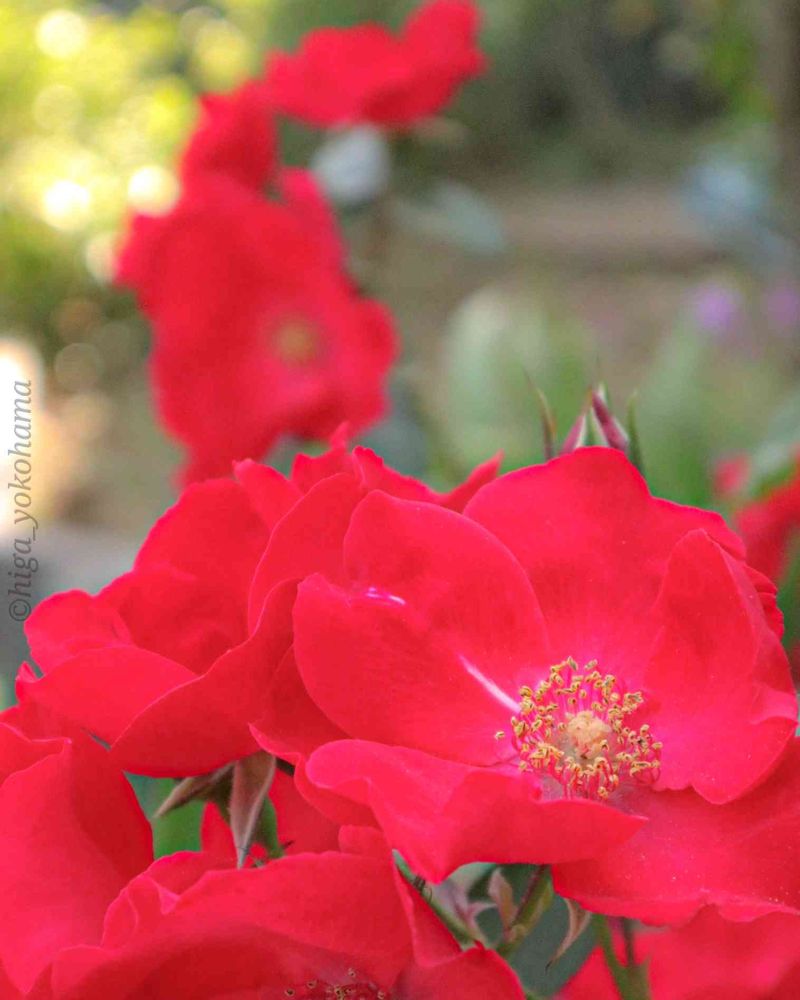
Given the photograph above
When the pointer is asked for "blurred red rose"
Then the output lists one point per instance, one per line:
(234, 137)
(365, 74)
(708, 959)
(770, 527)
(666, 723)
(258, 331)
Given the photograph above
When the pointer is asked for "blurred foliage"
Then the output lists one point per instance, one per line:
(690, 411)
(93, 103)
(772, 462)
(496, 351)
(95, 99)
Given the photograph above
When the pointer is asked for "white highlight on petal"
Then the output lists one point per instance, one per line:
(489, 685)
(375, 594)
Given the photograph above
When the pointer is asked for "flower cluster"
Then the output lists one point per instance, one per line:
(88, 913)
(370, 683)
(550, 667)
(366, 75)
(259, 331)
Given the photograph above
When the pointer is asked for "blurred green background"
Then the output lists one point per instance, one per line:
(615, 200)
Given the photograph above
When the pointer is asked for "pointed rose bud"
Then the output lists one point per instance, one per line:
(578, 920)
(502, 895)
(199, 786)
(252, 779)
(576, 437)
(610, 428)
(453, 898)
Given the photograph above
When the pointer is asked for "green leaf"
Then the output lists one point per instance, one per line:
(635, 444)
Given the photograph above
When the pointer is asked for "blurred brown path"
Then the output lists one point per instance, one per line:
(605, 225)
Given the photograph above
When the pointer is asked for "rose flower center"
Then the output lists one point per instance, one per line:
(318, 989)
(574, 726)
(296, 342)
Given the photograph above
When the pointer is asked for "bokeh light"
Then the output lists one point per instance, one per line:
(152, 189)
(66, 204)
(62, 34)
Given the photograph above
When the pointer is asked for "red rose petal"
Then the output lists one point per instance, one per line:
(441, 815)
(691, 853)
(726, 707)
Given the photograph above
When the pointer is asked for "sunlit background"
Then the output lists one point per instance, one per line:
(614, 200)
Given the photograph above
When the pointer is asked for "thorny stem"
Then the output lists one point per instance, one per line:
(527, 911)
(630, 979)
(637, 971)
(615, 967)
(627, 934)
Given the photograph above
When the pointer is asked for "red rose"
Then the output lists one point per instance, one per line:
(708, 959)
(309, 539)
(297, 928)
(367, 75)
(618, 644)
(258, 331)
(234, 137)
(161, 664)
(770, 526)
(71, 836)
(318, 501)
(86, 913)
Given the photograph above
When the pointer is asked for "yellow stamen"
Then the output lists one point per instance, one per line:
(588, 750)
